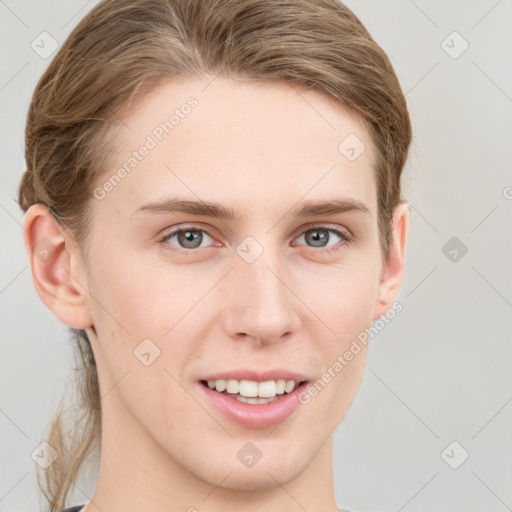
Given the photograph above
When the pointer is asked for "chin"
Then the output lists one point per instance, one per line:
(257, 479)
(275, 467)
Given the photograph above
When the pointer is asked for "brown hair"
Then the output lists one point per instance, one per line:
(123, 49)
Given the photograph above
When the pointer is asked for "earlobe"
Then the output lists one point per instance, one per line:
(56, 264)
(394, 263)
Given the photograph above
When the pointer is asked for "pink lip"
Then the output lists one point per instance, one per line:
(257, 415)
(257, 376)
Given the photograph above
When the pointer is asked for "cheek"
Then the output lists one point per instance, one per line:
(127, 292)
(135, 310)
(144, 307)
(343, 297)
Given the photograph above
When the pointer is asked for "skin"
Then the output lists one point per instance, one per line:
(260, 149)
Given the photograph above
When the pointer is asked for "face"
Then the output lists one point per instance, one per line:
(242, 244)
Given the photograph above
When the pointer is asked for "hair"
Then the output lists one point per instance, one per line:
(122, 50)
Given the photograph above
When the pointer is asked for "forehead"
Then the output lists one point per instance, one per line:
(250, 145)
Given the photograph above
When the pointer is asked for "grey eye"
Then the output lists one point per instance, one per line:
(188, 238)
(320, 237)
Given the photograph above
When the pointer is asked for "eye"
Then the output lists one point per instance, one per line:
(187, 238)
(322, 236)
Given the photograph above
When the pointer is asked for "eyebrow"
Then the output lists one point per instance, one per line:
(216, 210)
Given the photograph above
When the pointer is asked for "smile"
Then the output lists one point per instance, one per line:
(253, 403)
(251, 391)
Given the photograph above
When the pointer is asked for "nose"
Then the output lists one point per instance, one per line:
(261, 305)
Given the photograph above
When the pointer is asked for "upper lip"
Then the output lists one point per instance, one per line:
(256, 375)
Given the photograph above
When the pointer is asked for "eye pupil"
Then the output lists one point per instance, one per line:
(190, 238)
(318, 237)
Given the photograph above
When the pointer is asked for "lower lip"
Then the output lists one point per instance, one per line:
(254, 415)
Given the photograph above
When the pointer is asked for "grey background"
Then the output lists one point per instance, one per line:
(441, 371)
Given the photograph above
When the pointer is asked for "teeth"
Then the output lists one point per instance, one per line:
(248, 388)
(267, 389)
(255, 400)
(289, 386)
(280, 385)
(251, 389)
(232, 386)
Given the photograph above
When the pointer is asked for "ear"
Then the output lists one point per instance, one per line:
(394, 264)
(57, 267)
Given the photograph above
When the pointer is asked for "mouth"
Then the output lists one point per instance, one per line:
(253, 392)
(254, 403)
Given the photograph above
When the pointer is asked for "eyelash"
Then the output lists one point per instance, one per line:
(345, 236)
